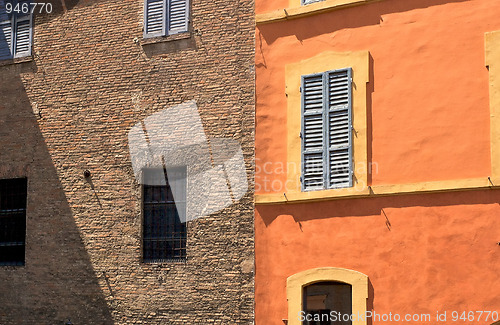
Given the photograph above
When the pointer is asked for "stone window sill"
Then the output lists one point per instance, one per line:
(161, 39)
(16, 60)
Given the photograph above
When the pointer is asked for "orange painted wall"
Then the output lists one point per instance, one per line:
(421, 253)
(429, 96)
(428, 121)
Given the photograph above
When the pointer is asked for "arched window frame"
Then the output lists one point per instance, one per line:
(297, 282)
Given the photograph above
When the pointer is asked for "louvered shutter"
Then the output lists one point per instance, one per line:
(326, 130)
(154, 18)
(5, 40)
(5, 33)
(177, 16)
(339, 128)
(313, 135)
(22, 36)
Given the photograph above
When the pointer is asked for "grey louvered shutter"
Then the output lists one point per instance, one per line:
(22, 36)
(313, 133)
(178, 13)
(5, 33)
(339, 128)
(154, 18)
(5, 40)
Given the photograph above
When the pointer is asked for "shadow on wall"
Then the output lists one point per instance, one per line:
(354, 17)
(58, 281)
(362, 207)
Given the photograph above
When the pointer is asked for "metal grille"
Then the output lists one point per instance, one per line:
(164, 227)
(13, 193)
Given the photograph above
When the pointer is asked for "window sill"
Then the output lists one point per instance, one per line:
(16, 60)
(307, 10)
(378, 190)
(161, 39)
(158, 46)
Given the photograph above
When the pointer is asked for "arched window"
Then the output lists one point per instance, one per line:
(327, 290)
(327, 303)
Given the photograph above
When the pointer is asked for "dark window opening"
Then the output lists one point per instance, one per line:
(164, 210)
(13, 193)
(328, 303)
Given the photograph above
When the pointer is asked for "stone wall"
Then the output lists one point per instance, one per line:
(68, 109)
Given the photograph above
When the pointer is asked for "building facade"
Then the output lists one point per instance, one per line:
(106, 110)
(377, 162)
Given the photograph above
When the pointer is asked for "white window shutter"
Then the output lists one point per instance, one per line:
(178, 13)
(327, 130)
(22, 37)
(5, 40)
(154, 18)
(339, 128)
(313, 133)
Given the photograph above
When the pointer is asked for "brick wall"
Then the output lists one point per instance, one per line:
(91, 79)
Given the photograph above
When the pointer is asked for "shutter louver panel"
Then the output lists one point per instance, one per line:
(23, 38)
(313, 132)
(313, 93)
(313, 171)
(5, 40)
(177, 16)
(154, 17)
(338, 89)
(340, 172)
(339, 129)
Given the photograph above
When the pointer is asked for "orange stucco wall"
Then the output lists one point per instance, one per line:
(428, 114)
(428, 120)
(421, 253)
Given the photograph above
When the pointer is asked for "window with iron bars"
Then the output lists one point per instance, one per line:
(164, 213)
(13, 195)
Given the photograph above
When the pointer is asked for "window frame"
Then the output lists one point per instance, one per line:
(359, 61)
(296, 283)
(14, 20)
(182, 238)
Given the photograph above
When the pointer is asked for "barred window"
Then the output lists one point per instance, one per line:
(13, 193)
(164, 211)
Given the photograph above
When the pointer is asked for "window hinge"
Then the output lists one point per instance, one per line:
(300, 89)
(300, 179)
(300, 135)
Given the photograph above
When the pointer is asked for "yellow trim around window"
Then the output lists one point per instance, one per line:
(492, 60)
(296, 283)
(359, 62)
(296, 10)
